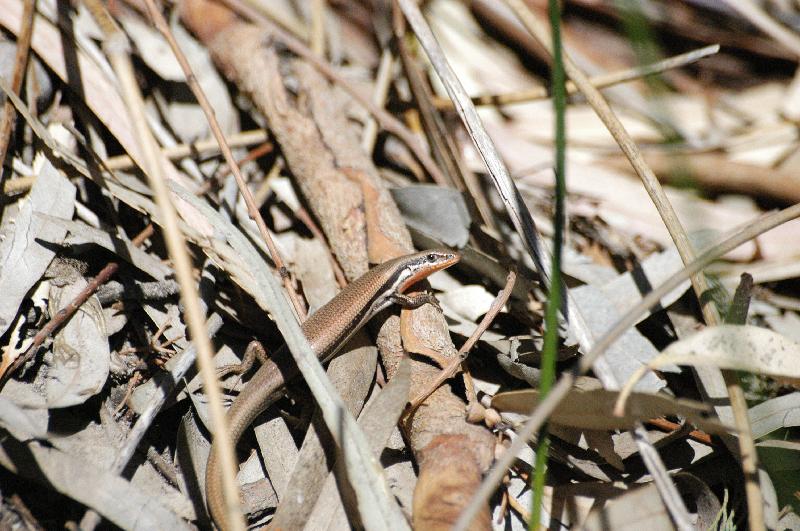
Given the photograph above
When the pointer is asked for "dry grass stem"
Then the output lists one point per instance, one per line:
(252, 208)
(116, 47)
(600, 81)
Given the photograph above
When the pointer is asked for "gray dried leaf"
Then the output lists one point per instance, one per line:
(640, 508)
(191, 454)
(468, 302)
(274, 433)
(115, 320)
(436, 211)
(23, 424)
(790, 520)
(628, 353)
(82, 480)
(787, 324)
(186, 119)
(378, 419)
(152, 48)
(23, 260)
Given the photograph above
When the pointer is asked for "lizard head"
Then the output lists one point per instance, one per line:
(420, 265)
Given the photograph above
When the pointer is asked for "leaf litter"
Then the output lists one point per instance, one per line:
(117, 376)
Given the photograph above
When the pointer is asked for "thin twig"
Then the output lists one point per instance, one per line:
(600, 81)
(383, 80)
(450, 371)
(253, 154)
(252, 209)
(562, 388)
(208, 145)
(669, 426)
(145, 233)
(60, 318)
(116, 47)
(20, 65)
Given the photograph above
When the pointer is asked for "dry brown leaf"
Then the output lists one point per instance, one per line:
(591, 409)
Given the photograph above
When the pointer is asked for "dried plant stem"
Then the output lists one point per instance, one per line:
(383, 80)
(60, 318)
(116, 46)
(317, 41)
(760, 19)
(252, 208)
(546, 407)
(669, 426)
(681, 239)
(600, 81)
(450, 371)
(516, 208)
(208, 145)
(20, 65)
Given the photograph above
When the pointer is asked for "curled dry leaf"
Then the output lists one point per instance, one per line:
(781, 412)
(737, 347)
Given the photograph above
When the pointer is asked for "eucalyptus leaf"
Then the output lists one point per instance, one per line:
(591, 410)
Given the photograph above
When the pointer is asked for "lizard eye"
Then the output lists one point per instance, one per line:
(431, 257)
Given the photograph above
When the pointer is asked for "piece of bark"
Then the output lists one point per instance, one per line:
(317, 141)
(438, 498)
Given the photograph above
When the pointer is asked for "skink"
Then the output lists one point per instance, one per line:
(327, 330)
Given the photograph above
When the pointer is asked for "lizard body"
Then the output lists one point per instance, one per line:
(327, 330)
